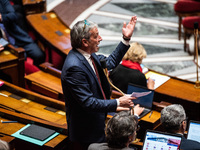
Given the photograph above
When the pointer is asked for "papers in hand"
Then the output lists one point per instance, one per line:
(140, 94)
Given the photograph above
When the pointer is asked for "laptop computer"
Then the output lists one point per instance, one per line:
(194, 130)
(161, 140)
(145, 101)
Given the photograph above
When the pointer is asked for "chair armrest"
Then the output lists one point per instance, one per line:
(19, 52)
(48, 67)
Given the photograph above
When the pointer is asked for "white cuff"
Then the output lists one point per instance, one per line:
(136, 115)
(118, 103)
(125, 42)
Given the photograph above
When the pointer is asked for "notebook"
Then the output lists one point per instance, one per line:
(154, 140)
(145, 101)
(194, 130)
(37, 132)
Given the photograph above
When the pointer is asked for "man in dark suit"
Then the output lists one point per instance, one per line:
(173, 119)
(16, 36)
(87, 97)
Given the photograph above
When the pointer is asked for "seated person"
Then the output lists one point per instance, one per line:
(4, 145)
(19, 11)
(16, 36)
(173, 119)
(120, 132)
(130, 71)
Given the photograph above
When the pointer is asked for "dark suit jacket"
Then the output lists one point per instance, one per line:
(104, 146)
(189, 144)
(122, 75)
(9, 20)
(85, 107)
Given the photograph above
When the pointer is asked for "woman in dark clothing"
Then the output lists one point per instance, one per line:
(130, 71)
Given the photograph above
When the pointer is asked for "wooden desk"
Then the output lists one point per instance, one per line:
(12, 64)
(34, 105)
(51, 31)
(34, 6)
(45, 83)
(181, 92)
(28, 107)
(10, 128)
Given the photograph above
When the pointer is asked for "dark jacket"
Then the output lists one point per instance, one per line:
(86, 108)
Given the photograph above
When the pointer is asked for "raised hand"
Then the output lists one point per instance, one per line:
(127, 30)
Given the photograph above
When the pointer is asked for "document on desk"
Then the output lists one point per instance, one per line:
(140, 94)
(158, 78)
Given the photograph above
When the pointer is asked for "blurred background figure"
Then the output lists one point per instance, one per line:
(16, 35)
(130, 71)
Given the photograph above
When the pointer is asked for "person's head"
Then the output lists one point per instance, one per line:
(121, 130)
(85, 35)
(173, 118)
(135, 53)
(4, 145)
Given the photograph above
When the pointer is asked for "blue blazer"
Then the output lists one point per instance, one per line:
(9, 20)
(86, 109)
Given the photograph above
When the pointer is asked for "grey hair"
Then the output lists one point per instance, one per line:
(81, 30)
(119, 128)
(4, 145)
(172, 116)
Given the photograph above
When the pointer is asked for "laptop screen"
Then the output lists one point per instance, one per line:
(194, 130)
(162, 141)
(144, 101)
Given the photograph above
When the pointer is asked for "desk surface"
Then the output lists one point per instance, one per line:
(6, 56)
(52, 30)
(10, 128)
(32, 104)
(180, 89)
(47, 80)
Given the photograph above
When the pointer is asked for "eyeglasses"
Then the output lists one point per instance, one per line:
(85, 23)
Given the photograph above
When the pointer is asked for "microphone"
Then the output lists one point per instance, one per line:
(104, 66)
(196, 25)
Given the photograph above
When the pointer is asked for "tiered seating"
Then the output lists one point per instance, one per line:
(184, 8)
(52, 35)
(188, 24)
(12, 64)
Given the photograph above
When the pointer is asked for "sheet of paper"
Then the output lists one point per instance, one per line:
(158, 78)
(140, 94)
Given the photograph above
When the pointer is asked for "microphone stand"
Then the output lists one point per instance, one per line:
(196, 25)
(103, 64)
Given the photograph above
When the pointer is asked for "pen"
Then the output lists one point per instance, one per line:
(8, 121)
(3, 94)
(150, 114)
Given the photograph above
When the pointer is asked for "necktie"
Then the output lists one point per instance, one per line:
(97, 74)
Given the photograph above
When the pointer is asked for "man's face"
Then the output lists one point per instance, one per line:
(94, 41)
